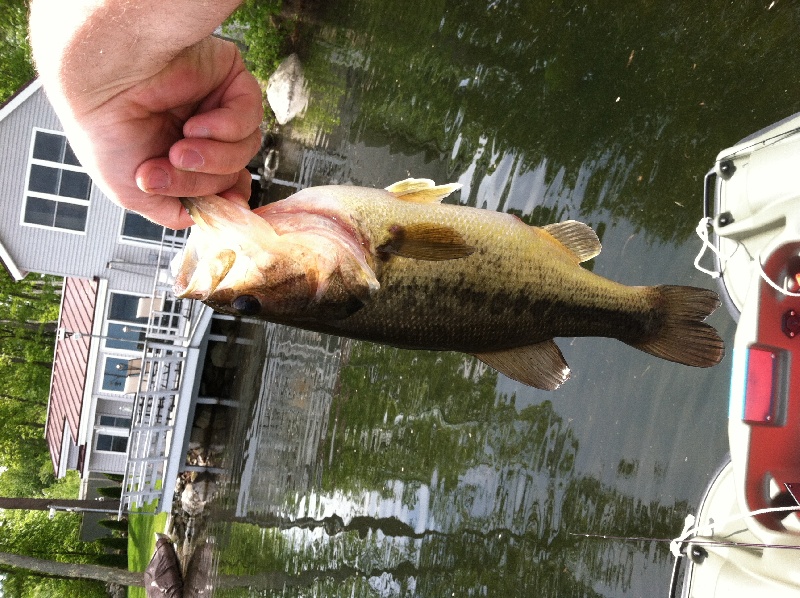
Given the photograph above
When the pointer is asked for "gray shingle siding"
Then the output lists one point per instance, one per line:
(97, 252)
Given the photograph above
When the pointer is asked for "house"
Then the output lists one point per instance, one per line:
(124, 380)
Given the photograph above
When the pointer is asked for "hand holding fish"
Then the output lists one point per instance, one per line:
(398, 267)
(154, 107)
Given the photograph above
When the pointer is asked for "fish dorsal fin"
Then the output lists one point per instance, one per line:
(426, 241)
(580, 239)
(421, 190)
(541, 365)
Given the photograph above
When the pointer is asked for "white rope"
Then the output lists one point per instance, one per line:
(689, 529)
(702, 232)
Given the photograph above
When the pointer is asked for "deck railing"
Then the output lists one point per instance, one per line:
(171, 330)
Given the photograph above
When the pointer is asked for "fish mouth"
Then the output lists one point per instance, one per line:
(216, 215)
(222, 229)
(232, 248)
(198, 277)
(191, 207)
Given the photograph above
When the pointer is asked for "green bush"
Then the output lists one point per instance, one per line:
(254, 22)
(118, 560)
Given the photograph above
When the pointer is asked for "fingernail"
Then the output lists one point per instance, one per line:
(156, 179)
(191, 160)
(202, 132)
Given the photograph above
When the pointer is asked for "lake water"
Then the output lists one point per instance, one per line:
(362, 470)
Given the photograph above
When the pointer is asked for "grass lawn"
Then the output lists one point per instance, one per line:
(142, 527)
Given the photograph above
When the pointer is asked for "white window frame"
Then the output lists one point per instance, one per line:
(140, 241)
(105, 427)
(115, 432)
(108, 322)
(111, 430)
(121, 355)
(56, 198)
(128, 240)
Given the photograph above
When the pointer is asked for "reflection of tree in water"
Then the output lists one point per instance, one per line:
(469, 83)
(436, 485)
(636, 99)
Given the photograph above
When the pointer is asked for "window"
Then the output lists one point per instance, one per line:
(57, 193)
(116, 372)
(111, 443)
(114, 421)
(113, 435)
(139, 228)
(126, 329)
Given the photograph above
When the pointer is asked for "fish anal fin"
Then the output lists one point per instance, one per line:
(579, 238)
(426, 241)
(421, 190)
(540, 365)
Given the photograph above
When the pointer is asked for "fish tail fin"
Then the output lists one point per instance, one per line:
(683, 336)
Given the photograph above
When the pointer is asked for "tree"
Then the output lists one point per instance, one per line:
(16, 67)
(28, 314)
(72, 570)
(272, 580)
(33, 534)
(45, 504)
(252, 22)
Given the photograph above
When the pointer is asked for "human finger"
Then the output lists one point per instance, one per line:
(240, 192)
(168, 211)
(158, 177)
(214, 157)
(231, 117)
(161, 209)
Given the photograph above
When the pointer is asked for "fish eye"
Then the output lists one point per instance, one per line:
(247, 305)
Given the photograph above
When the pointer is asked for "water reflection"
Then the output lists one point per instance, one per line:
(432, 483)
(643, 95)
(370, 471)
(288, 418)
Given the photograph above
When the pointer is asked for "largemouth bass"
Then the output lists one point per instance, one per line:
(397, 266)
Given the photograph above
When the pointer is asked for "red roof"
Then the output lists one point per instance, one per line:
(69, 362)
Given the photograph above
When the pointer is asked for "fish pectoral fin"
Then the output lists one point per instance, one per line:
(579, 238)
(541, 365)
(421, 190)
(426, 241)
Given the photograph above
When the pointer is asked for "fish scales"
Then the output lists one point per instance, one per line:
(518, 287)
(396, 266)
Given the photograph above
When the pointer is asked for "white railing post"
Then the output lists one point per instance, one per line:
(170, 329)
